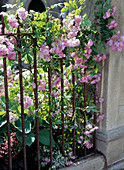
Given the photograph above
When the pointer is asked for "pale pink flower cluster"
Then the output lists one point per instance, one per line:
(33, 85)
(54, 114)
(79, 62)
(116, 42)
(72, 26)
(70, 156)
(112, 24)
(89, 79)
(68, 39)
(42, 85)
(1, 64)
(4, 146)
(68, 163)
(12, 21)
(55, 93)
(88, 49)
(22, 13)
(101, 100)
(7, 48)
(73, 42)
(56, 80)
(46, 159)
(110, 12)
(91, 130)
(27, 101)
(56, 85)
(44, 53)
(80, 140)
(13, 117)
(88, 144)
(2, 92)
(99, 57)
(100, 117)
(58, 46)
(69, 113)
(66, 82)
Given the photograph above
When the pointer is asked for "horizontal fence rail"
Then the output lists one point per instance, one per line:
(18, 36)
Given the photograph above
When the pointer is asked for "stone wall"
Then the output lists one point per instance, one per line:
(110, 137)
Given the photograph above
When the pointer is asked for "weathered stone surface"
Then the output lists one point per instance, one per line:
(111, 144)
(92, 163)
(119, 166)
(110, 137)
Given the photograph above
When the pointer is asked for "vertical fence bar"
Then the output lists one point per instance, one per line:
(36, 100)
(84, 112)
(94, 135)
(62, 97)
(21, 97)
(62, 103)
(51, 145)
(73, 82)
(7, 102)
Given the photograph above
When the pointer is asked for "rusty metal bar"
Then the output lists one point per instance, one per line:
(36, 99)
(21, 98)
(50, 121)
(7, 102)
(73, 104)
(62, 103)
(62, 97)
(94, 135)
(84, 112)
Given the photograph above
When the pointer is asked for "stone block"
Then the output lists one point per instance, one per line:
(111, 144)
(95, 162)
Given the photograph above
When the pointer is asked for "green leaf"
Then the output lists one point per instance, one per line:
(2, 99)
(29, 58)
(18, 49)
(19, 108)
(43, 123)
(1, 140)
(88, 22)
(70, 8)
(19, 136)
(70, 2)
(94, 110)
(27, 126)
(18, 125)
(2, 113)
(103, 50)
(29, 138)
(64, 9)
(99, 46)
(44, 137)
(52, 6)
(3, 122)
(3, 129)
(66, 3)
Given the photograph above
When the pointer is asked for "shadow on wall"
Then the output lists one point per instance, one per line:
(36, 5)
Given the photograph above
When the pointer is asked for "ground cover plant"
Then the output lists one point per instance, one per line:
(72, 43)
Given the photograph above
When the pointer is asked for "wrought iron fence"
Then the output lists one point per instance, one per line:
(18, 37)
